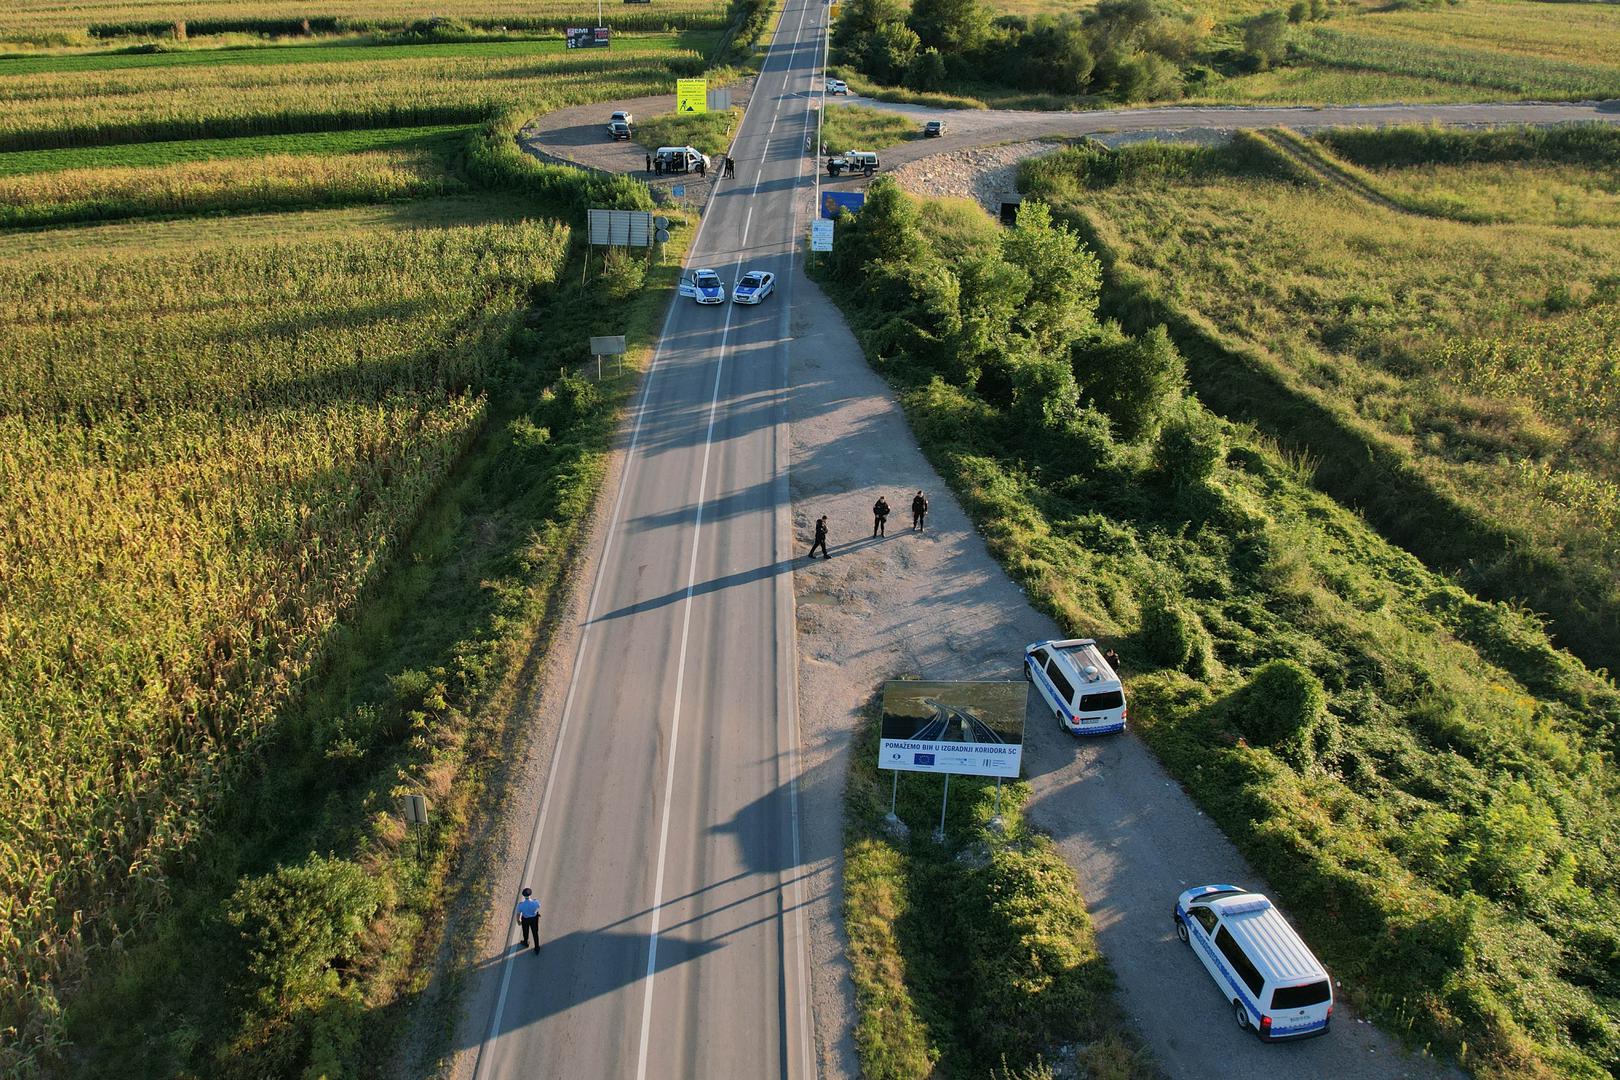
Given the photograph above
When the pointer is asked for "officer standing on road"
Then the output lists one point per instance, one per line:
(649, 163)
(731, 165)
(821, 538)
(880, 516)
(919, 511)
(528, 910)
(702, 169)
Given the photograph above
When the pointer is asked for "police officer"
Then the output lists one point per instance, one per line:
(919, 511)
(880, 517)
(821, 538)
(528, 911)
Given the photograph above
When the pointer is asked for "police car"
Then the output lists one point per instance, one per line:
(1078, 685)
(753, 287)
(705, 287)
(1277, 988)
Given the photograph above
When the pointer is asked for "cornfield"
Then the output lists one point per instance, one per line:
(204, 461)
(48, 21)
(40, 111)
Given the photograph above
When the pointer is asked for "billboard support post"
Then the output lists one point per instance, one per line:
(939, 833)
(894, 794)
(995, 822)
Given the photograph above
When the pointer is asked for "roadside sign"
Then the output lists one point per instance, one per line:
(969, 729)
(821, 235)
(834, 203)
(832, 12)
(619, 228)
(719, 100)
(679, 191)
(691, 95)
(607, 346)
(416, 809)
(589, 37)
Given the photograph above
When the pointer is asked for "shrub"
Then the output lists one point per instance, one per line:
(1189, 449)
(1280, 701)
(1265, 39)
(303, 925)
(1172, 636)
(622, 273)
(1132, 380)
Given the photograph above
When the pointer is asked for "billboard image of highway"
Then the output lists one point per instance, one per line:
(956, 727)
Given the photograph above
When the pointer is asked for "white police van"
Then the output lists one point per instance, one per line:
(1078, 684)
(1276, 987)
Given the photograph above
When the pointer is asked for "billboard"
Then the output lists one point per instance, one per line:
(691, 95)
(967, 728)
(834, 203)
(589, 37)
(619, 228)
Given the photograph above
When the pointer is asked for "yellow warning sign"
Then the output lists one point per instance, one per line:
(832, 12)
(691, 95)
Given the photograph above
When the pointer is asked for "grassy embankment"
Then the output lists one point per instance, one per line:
(1433, 796)
(973, 955)
(709, 132)
(856, 127)
(1457, 376)
(246, 453)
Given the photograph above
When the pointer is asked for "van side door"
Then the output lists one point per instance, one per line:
(1201, 926)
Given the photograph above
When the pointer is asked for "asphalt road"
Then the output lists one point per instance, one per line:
(665, 851)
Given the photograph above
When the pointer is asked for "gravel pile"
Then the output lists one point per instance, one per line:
(980, 173)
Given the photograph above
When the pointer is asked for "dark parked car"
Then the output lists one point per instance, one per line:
(933, 129)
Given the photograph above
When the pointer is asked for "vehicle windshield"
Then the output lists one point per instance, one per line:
(752, 281)
(707, 280)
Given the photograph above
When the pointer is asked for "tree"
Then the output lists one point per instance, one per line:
(888, 52)
(1053, 55)
(1132, 380)
(1265, 39)
(992, 292)
(888, 228)
(1189, 449)
(1064, 279)
(951, 26)
(927, 71)
(858, 19)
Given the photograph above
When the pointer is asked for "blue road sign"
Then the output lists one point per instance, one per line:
(678, 190)
(834, 203)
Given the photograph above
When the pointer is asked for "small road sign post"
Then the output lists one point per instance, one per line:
(606, 346)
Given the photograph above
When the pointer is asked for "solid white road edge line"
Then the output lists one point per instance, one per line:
(579, 655)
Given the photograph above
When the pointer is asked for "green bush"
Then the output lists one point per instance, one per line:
(1172, 636)
(1190, 448)
(1265, 39)
(1280, 701)
(1134, 381)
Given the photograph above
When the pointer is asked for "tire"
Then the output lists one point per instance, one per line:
(1181, 932)
(1027, 676)
(1241, 1014)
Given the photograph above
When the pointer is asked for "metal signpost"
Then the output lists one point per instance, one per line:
(606, 346)
(969, 729)
(691, 95)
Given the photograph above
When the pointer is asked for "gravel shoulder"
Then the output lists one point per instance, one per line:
(936, 605)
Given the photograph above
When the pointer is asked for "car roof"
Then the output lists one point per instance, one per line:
(1267, 938)
(762, 274)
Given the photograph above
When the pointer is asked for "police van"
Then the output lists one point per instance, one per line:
(1277, 988)
(1078, 685)
(680, 159)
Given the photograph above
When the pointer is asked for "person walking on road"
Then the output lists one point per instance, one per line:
(919, 511)
(880, 516)
(649, 163)
(528, 911)
(821, 538)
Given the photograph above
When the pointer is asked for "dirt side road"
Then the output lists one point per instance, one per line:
(936, 605)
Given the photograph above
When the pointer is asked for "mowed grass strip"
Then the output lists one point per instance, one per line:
(444, 140)
(857, 127)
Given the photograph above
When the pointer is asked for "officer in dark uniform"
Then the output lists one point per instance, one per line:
(919, 510)
(880, 516)
(821, 538)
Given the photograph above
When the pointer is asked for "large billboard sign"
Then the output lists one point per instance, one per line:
(589, 37)
(967, 728)
(691, 95)
(834, 203)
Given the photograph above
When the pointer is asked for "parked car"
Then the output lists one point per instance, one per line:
(853, 161)
(837, 86)
(933, 129)
(1277, 988)
(753, 287)
(1078, 684)
(618, 129)
(704, 286)
(621, 117)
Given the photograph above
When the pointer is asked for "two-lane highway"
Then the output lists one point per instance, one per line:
(665, 849)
